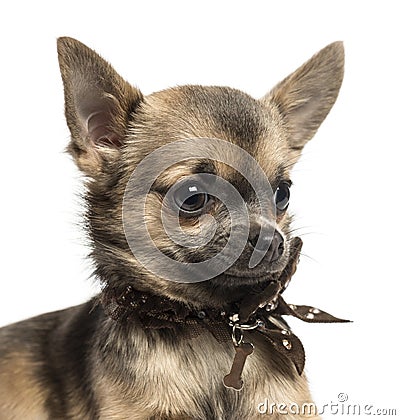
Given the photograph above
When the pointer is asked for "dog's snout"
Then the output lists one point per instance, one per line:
(274, 246)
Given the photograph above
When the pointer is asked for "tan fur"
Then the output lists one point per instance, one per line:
(21, 396)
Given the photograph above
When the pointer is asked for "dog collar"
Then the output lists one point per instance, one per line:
(260, 312)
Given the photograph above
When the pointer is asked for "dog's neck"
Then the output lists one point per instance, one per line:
(260, 311)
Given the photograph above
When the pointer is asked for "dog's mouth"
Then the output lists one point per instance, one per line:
(235, 283)
(259, 274)
(239, 276)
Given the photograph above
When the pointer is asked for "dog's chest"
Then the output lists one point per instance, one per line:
(185, 380)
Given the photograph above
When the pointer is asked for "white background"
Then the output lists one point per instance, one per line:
(345, 187)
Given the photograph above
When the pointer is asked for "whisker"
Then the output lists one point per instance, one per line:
(308, 256)
(298, 228)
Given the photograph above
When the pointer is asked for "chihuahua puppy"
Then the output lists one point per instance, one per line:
(155, 345)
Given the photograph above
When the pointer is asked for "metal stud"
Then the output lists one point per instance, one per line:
(310, 316)
(315, 311)
(234, 318)
(271, 306)
(287, 344)
(294, 307)
(285, 332)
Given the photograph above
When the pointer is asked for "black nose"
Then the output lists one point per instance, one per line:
(274, 246)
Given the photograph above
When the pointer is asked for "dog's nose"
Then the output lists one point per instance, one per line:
(274, 246)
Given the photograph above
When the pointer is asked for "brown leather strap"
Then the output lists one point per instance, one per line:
(287, 344)
(306, 313)
(283, 339)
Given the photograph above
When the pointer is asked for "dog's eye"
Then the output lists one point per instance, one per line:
(282, 196)
(190, 199)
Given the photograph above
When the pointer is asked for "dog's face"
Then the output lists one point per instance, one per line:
(218, 143)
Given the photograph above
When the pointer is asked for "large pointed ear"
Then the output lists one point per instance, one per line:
(306, 96)
(98, 105)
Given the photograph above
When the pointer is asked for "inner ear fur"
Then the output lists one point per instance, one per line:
(98, 104)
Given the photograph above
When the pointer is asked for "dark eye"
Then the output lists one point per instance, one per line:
(282, 196)
(190, 199)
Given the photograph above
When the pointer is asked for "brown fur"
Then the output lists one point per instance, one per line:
(80, 364)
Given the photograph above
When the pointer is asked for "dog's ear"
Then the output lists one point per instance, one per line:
(306, 96)
(98, 104)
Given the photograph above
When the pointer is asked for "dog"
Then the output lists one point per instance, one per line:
(156, 342)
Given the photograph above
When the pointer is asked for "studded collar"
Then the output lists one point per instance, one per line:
(260, 312)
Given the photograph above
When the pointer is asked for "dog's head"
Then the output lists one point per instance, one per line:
(191, 183)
